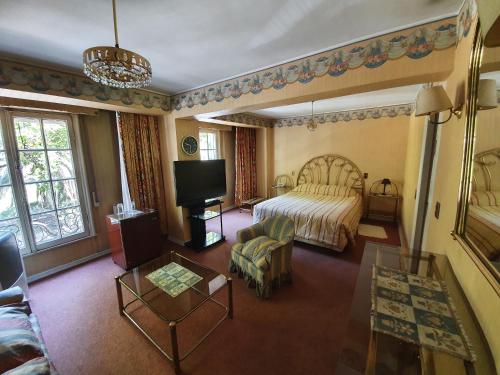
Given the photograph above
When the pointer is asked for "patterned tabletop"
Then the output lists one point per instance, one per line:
(418, 310)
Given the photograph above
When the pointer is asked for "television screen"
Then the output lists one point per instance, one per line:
(198, 180)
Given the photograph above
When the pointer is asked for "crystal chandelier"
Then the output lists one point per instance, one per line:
(312, 125)
(115, 66)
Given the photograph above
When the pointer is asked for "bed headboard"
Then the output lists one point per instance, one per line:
(486, 176)
(331, 169)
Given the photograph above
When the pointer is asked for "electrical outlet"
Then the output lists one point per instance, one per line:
(365, 175)
(437, 209)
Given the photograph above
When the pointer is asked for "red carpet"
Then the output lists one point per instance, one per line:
(298, 331)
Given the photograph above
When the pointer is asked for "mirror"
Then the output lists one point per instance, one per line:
(481, 211)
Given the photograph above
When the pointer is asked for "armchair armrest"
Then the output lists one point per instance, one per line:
(247, 234)
(272, 255)
(11, 295)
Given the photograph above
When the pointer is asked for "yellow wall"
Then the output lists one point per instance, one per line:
(376, 146)
(101, 149)
(265, 162)
(411, 174)
(481, 294)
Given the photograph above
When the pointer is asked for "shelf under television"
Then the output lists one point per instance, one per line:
(211, 239)
(207, 215)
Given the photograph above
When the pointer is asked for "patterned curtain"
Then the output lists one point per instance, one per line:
(141, 151)
(246, 169)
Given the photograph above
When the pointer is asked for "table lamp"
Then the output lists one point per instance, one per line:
(385, 182)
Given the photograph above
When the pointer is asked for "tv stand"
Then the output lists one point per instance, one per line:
(198, 215)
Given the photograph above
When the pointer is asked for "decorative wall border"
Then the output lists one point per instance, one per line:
(20, 76)
(355, 114)
(414, 43)
(248, 119)
(322, 118)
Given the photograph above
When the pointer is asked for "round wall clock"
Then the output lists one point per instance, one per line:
(189, 145)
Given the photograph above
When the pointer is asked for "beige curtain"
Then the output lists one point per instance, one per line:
(141, 150)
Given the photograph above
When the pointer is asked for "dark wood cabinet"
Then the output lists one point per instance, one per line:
(134, 238)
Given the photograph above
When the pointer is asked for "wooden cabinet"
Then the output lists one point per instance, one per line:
(134, 238)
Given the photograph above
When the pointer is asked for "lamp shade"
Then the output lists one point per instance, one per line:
(487, 94)
(432, 100)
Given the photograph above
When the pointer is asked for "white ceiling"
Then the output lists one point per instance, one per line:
(380, 98)
(191, 43)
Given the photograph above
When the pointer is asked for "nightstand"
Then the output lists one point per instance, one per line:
(383, 192)
(282, 184)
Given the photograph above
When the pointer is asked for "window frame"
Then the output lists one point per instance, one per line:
(217, 143)
(18, 184)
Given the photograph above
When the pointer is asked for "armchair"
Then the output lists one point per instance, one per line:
(263, 254)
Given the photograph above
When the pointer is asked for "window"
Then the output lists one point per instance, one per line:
(208, 145)
(40, 182)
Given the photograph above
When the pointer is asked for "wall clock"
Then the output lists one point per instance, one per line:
(189, 145)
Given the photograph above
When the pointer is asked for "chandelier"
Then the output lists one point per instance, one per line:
(115, 66)
(312, 125)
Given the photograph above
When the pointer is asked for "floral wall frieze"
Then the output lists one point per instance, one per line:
(345, 116)
(20, 76)
(466, 16)
(248, 119)
(414, 44)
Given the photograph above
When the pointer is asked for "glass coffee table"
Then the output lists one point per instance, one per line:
(173, 308)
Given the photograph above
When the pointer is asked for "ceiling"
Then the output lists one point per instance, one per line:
(192, 43)
(380, 98)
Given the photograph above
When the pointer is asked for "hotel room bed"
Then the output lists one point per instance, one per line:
(325, 206)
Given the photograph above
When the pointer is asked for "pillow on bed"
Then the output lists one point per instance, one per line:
(485, 198)
(319, 189)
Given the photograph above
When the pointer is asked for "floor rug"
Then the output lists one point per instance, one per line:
(374, 231)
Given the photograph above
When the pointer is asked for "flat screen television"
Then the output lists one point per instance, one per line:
(199, 180)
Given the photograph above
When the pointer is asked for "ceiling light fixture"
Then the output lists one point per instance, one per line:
(312, 125)
(115, 66)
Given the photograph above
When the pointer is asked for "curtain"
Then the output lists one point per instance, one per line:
(140, 141)
(246, 169)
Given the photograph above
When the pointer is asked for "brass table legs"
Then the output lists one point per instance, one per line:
(119, 294)
(175, 357)
(175, 348)
(230, 298)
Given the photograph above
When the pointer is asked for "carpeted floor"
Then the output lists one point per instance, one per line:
(298, 331)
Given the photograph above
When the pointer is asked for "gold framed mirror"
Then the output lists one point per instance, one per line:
(478, 216)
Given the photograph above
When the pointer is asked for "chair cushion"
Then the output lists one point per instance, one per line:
(37, 366)
(256, 248)
(18, 341)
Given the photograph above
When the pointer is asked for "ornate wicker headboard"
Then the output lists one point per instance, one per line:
(486, 176)
(332, 169)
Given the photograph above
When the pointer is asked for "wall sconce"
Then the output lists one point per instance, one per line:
(432, 100)
(487, 94)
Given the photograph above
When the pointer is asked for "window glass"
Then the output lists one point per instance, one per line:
(48, 182)
(208, 145)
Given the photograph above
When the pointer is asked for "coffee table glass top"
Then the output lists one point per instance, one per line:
(165, 306)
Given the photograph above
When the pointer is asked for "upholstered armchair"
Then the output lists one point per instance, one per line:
(263, 254)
